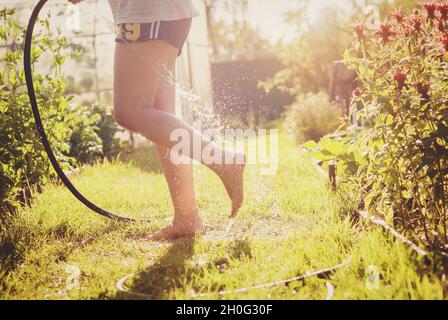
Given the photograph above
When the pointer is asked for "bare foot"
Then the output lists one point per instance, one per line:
(232, 175)
(181, 228)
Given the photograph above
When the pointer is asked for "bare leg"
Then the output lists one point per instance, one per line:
(136, 84)
(179, 177)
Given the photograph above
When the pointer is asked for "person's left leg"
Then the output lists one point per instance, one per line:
(179, 177)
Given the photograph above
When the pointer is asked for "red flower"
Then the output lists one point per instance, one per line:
(385, 32)
(398, 15)
(416, 22)
(423, 90)
(358, 28)
(400, 77)
(444, 41)
(430, 8)
(443, 9)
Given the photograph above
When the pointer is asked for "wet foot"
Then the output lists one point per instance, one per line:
(179, 229)
(232, 176)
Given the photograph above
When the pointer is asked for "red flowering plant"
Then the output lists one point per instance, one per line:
(386, 32)
(397, 153)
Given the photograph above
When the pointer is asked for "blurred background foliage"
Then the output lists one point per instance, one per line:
(79, 134)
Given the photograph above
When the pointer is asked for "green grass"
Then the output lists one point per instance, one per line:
(290, 224)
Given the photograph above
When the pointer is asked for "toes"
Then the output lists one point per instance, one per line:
(165, 234)
(236, 206)
(235, 210)
(159, 236)
(155, 237)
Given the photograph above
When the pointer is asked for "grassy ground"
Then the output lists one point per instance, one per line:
(289, 225)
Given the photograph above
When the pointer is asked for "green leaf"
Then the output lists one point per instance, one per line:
(12, 77)
(309, 145)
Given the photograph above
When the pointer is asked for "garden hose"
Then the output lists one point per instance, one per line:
(40, 127)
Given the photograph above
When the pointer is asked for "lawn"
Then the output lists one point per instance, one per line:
(291, 224)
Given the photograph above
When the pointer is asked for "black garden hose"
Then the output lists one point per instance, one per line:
(40, 127)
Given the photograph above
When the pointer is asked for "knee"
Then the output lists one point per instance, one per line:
(124, 119)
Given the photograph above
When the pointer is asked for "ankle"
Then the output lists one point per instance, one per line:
(183, 217)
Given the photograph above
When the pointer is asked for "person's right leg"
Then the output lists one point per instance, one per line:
(139, 69)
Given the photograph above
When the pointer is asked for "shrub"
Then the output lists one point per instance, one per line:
(312, 116)
(85, 144)
(107, 130)
(401, 151)
(94, 136)
(23, 161)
